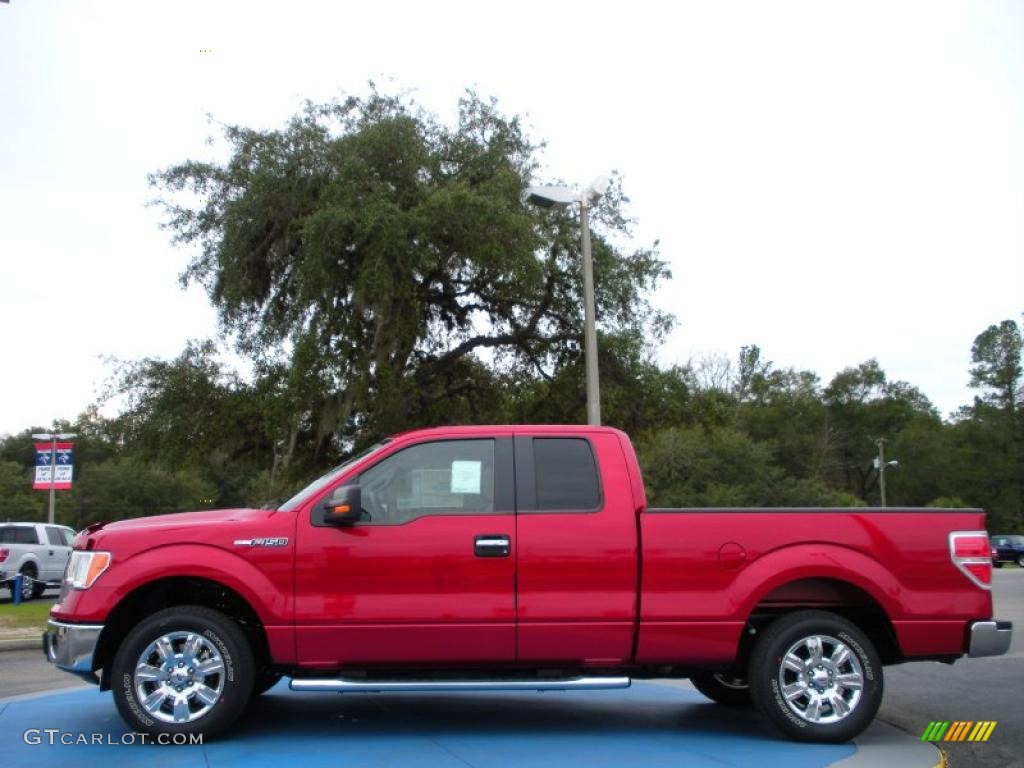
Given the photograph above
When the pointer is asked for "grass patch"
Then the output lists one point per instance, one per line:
(30, 615)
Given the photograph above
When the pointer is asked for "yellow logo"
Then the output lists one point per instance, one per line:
(958, 730)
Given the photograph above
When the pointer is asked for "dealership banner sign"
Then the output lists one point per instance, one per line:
(62, 470)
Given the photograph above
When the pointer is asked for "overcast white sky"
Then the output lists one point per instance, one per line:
(832, 181)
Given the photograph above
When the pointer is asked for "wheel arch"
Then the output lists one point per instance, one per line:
(835, 595)
(168, 592)
(827, 577)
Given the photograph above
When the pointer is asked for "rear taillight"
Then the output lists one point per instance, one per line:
(971, 552)
(4, 554)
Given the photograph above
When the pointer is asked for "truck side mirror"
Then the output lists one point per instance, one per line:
(344, 506)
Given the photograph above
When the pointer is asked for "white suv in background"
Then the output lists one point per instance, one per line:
(37, 551)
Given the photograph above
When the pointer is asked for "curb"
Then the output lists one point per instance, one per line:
(28, 643)
(885, 744)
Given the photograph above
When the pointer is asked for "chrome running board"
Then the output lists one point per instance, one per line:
(382, 686)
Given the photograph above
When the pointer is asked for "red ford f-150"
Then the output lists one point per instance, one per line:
(518, 557)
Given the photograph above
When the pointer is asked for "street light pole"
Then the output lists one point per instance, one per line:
(53, 438)
(589, 320)
(561, 197)
(881, 467)
(53, 478)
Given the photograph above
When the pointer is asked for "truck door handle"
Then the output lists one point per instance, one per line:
(51, 551)
(492, 545)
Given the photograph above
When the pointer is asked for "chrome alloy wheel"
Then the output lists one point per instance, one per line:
(179, 677)
(821, 679)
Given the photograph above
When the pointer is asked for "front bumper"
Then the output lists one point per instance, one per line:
(72, 646)
(989, 638)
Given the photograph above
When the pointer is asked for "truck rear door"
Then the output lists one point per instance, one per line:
(576, 548)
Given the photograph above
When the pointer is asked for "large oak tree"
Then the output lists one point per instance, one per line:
(382, 265)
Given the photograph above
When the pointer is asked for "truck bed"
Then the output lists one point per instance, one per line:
(705, 571)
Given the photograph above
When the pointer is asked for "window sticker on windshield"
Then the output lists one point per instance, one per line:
(466, 476)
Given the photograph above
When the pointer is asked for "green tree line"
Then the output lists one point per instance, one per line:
(378, 270)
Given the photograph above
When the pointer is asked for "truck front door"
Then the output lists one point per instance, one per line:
(427, 575)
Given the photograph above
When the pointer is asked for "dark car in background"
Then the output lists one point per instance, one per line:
(1007, 549)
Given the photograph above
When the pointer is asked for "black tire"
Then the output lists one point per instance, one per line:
(766, 669)
(723, 688)
(218, 636)
(38, 589)
(1020, 560)
(28, 583)
(264, 682)
(997, 563)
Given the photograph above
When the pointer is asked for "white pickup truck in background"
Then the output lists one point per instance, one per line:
(37, 551)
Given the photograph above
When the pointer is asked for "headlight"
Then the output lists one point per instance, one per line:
(85, 567)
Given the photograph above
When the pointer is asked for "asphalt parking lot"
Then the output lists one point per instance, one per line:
(656, 721)
(648, 724)
(972, 689)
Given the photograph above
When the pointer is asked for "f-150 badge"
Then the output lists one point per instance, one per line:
(278, 542)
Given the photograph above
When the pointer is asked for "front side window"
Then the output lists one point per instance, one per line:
(448, 477)
(58, 537)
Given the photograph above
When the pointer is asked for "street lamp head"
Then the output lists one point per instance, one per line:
(551, 197)
(892, 464)
(597, 188)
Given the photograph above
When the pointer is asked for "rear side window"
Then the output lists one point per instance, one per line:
(566, 474)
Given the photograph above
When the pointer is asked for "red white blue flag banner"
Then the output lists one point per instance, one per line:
(64, 467)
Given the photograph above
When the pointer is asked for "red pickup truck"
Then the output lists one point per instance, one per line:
(518, 557)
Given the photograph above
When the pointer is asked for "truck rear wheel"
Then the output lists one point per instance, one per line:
(28, 584)
(183, 670)
(816, 676)
(723, 688)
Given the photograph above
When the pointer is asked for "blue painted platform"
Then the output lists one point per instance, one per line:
(648, 725)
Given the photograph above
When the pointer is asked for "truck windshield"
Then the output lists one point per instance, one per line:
(326, 479)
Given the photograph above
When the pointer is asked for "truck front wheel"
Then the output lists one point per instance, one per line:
(183, 670)
(816, 676)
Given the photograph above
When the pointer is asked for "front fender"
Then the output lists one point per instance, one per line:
(263, 578)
